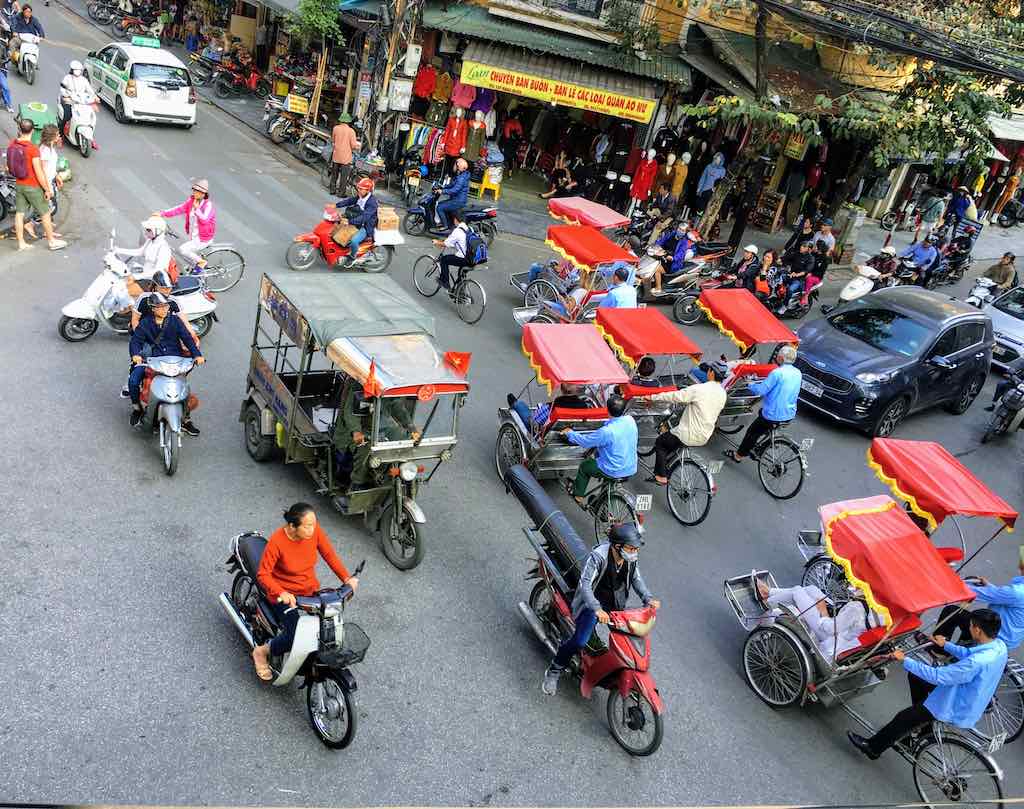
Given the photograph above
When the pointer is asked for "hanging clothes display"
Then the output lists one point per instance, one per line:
(475, 138)
(484, 101)
(663, 176)
(463, 95)
(443, 88)
(455, 136)
(665, 141)
(436, 113)
(680, 171)
(426, 81)
(643, 179)
(491, 122)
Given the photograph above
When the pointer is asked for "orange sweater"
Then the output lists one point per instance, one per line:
(287, 565)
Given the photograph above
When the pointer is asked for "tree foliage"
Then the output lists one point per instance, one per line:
(315, 20)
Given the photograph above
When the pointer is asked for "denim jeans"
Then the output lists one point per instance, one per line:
(357, 239)
(288, 618)
(585, 624)
(138, 373)
(445, 208)
(5, 90)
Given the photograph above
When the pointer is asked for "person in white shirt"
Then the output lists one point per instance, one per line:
(155, 251)
(48, 140)
(456, 243)
(74, 89)
(696, 424)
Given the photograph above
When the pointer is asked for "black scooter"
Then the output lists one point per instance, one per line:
(421, 220)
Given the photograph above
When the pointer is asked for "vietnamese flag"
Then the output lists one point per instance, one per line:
(371, 387)
(459, 361)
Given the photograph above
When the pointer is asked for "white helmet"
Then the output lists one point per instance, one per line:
(751, 248)
(76, 68)
(888, 250)
(154, 225)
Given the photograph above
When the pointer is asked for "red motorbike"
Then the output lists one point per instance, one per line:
(238, 79)
(373, 255)
(634, 708)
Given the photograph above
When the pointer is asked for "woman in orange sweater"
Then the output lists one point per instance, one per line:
(286, 571)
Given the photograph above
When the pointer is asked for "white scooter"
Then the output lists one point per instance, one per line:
(865, 281)
(107, 301)
(983, 292)
(81, 129)
(28, 56)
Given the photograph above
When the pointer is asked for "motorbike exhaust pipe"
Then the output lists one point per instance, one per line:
(531, 618)
(236, 619)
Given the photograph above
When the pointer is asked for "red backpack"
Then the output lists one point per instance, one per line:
(17, 160)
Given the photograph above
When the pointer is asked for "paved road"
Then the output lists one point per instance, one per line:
(123, 681)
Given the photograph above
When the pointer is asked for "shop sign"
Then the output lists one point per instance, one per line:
(285, 315)
(557, 92)
(365, 85)
(796, 146)
(400, 94)
(296, 104)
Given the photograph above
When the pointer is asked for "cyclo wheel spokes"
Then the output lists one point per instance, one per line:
(689, 492)
(780, 467)
(950, 769)
(1005, 713)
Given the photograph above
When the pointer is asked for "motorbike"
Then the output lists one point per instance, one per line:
(28, 57)
(81, 128)
(101, 11)
(374, 255)
(107, 301)
(413, 173)
(240, 79)
(684, 307)
(203, 69)
(165, 393)
(798, 304)
(1012, 214)
(325, 644)
(634, 707)
(867, 280)
(130, 26)
(983, 292)
(417, 217)
(1008, 415)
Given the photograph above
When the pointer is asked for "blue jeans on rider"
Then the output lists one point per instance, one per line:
(796, 286)
(281, 643)
(444, 209)
(353, 244)
(138, 373)
(585, 624)
(5, 91)
(523, 410)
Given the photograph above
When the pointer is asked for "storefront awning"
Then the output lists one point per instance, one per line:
(1006, 128)
(703, 60)
(281, 6)
(477, 23)
(558, 81)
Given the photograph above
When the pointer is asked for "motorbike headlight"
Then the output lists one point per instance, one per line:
(375, 462)
(873, 379)
(408, 471)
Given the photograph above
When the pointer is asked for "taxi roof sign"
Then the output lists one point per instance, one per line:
(146, 42)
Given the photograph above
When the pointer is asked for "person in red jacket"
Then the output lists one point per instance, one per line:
(287, 570)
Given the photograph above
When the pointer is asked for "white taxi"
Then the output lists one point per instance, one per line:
(143, 82)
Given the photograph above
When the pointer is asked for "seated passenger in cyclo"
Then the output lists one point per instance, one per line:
(834, 634)
(615, 444)
(1007, 601)
(351, 432)
(287, 569)
(957, 694)
(779, 392)
(574, 397)
(644, 376)
(704, 402)
(608, 575)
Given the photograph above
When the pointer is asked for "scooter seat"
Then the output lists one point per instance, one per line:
(712, 247)
(250, 551)
(186, 285)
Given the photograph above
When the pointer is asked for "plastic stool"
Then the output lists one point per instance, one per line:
(486, 184)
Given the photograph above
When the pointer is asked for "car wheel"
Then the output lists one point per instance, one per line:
(968, 393)
(893, 414)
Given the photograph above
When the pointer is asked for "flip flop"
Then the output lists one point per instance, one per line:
(263, 671)
(655, 481)
(731, 455)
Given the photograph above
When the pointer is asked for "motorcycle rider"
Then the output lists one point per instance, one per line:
(615, 443)
(923, 255)
(678, 244)
(74, 89)
(746, 267)
(200, 221)
(1003, 273)
(155, 251)
(5, 90)
(166, 335)
(288, 569)
(963, 244)
(800, 270)
(365, 218)
(610, 572)
(456, 192)
(24, 23)
(1013, 377)
(885, 263)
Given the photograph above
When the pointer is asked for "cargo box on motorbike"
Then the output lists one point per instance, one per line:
(387, 218)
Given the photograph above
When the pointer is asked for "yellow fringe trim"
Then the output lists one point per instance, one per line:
(844, 563)
(909, 499)
(568, 256)
(536, 369)
(616, 347)
(727, 332)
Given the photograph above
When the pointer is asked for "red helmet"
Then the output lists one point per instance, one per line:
(365, 184)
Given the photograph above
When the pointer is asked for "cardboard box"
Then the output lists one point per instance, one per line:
(343, 233)
(387, 218)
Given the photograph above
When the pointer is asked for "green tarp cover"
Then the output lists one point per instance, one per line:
(353, 305)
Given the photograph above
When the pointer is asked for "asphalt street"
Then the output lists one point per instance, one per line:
(123, 681)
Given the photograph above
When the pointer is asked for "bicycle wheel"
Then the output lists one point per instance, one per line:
(827, 576)
(1005, 713)
(780, 467)
(538, 291)
(470, 301)
(689, 492)
(949, 769)
(686, 311)
(426, 275)
(613, 510)
(224, 268)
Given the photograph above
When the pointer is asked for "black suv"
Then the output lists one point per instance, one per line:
(873, 361)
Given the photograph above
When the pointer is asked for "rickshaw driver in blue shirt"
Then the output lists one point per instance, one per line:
(615, 443)
(1007, 601)
(780, 391)
(957, 694)
(622, 294)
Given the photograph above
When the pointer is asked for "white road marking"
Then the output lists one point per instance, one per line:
(242, 233)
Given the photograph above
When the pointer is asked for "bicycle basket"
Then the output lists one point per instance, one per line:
(354, 645)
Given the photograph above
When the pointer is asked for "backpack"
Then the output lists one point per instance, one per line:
(476, 248)
(17, 160)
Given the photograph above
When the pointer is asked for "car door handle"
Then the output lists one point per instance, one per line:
(980, 355)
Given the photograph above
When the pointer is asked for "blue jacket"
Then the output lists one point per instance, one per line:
(922, 254)
(965, 688)
(620, 296)
(173, 334)
(367, 220)
(458, 188)
(959, 204)
(779, 392)
(1008, 602)
(615, 443)
(683, 244)
(19, 26)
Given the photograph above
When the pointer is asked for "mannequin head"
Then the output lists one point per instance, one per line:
(686, 158)
(650, 154)
(479, 116)
(458, 112)
(671, 159)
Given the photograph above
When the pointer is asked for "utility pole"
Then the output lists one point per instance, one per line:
(397, 21)
(760, 37)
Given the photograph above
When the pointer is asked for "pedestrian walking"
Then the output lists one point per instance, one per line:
(32, 190)
(345, 143)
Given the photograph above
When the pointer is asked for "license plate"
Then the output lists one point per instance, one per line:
(811, 387)
(414, 182)
(643, 502)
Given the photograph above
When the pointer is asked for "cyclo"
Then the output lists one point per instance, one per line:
(900, 576)
(936, 488)
(638, 333)
(781, 461)
(569, 289)
(573, 359)
(339, 358)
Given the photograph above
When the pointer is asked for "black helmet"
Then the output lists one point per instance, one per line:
(625, 534)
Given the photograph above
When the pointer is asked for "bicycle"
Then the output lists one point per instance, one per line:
(780, 459)
(224, 268)
(691, 484)
(610, 504)
(468, 296)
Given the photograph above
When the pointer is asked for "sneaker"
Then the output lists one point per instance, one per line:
(189, 428)
(136, 418)
(550, 683)
(58, 244)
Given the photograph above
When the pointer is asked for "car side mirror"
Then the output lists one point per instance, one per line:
(91, 55)
(942, 362)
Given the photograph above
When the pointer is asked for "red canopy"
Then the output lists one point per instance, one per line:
(580, 211)
(570, 353)
(934, 483)
(636, 332)
(586, 247)
(889, 558)
(743, 318)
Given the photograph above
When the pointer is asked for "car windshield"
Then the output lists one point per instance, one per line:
(171, 77)
(884, 329)
(1012, 303)
(402, 415)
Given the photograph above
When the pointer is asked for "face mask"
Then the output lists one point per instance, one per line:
(76, 72)
(629, 556)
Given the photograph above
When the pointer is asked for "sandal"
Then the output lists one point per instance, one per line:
(655, 481)
(263, 670)
(732, 456)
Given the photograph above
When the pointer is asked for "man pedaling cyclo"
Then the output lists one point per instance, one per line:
(615, 444)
